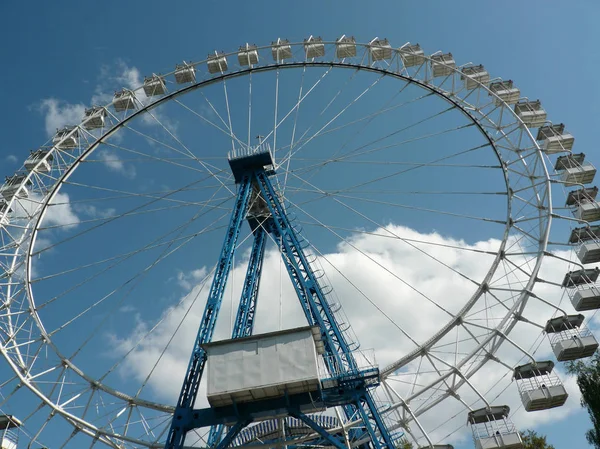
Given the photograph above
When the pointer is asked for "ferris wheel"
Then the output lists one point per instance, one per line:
(367, 222)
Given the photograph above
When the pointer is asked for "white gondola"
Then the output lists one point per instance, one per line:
(314, 47)
(154, 85)
(493, 429)
(442, 65)
(281, 49)
(589, 252)
(380, 49)
(580, 277)
(539, 387)
(185, 73)
(345, 47)
(585, 297)
(124, 100)
(66, 138)
(570, 340)
(585, 233)
(39, 160)
(574, 170)
(216, 63)
(438, 446)
(581, 284)
(9, 436)
(582, 174)
(4, 211)
(15, 186)
(474, 76)
(588, 211)
(586, 208)
(531, 112)
(583, 195)
(555, 139)
(248, 55)
(94, 117)
(412, 55)
(505, 91)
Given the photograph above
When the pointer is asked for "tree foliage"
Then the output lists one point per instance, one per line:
(404, 444)
(531, 440)
(588, 380)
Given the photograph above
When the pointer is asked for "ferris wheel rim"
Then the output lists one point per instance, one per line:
(271, 67)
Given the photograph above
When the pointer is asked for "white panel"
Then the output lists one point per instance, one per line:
(262, 366)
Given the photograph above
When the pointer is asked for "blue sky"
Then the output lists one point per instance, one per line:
(65, 51)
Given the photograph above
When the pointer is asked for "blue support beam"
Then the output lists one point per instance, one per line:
(233, 431)
(320, 430)
(244, 320)
(189, 391)
(255, 186)
(317, 310)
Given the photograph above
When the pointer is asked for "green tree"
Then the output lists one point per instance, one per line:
(531, 440)
(404, 444)
(588, 380)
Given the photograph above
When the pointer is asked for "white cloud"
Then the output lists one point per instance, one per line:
(188, 280)
(418, 317)
(60, 212)
(94, 212)
(11, 159)
(58, 113)
(112, 161)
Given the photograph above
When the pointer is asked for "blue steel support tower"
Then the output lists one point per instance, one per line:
(347, 386)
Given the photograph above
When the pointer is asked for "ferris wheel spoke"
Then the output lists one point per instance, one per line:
(460, 274)
(209, 169)
(201, 284)
(154, 199)
(164, 195)
(227, 126)
(335, 196)
(119, 259)
(387, 136)
(124, 256)
(296, 190)
(388, 236)
(299, 146)
(150, 331)
(165, 254)
(146, 157)
(395, 174)
(206, 120)
(368, 119)
(90, 278)
(275, 112)
(229, 115)
(371, 259)
(296, 108)
(347, 158)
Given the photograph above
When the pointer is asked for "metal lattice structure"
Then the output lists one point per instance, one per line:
(380, 117)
